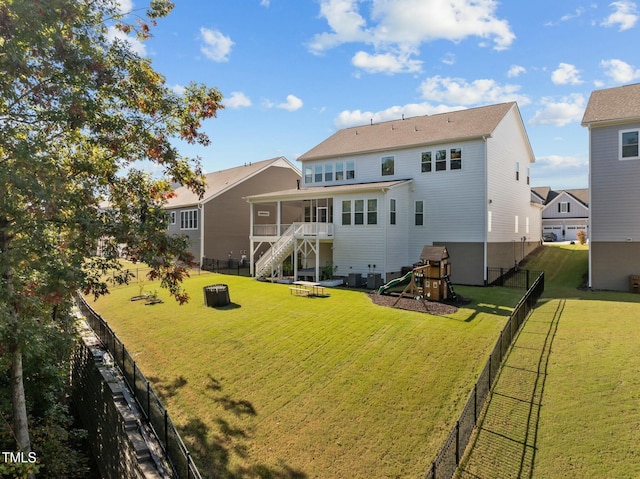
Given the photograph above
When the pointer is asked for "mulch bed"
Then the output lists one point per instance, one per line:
(409, 304)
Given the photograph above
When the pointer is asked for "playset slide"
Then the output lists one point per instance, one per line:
(395, 282)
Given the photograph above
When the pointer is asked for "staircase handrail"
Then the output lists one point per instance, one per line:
(283, 242)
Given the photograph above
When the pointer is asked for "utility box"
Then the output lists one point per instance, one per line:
(634, 283)
(374, 280)
(354, 280)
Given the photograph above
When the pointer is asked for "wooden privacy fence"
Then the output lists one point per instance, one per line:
(149, 402)
(447, 460)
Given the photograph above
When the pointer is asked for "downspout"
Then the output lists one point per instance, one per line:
(589, 223)
(201, 224)
(486, 213)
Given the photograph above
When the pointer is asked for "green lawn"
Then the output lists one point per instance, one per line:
(580, 415)
(590, 415)
(283, 386)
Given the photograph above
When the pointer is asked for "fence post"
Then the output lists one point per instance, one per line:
(475, 403)
(527, 279)
(457, 442)
(501, 276)
(166, 431)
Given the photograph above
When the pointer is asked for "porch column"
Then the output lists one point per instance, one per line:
(295, 258)
(251, 255)
(279, 218)
(317, 256)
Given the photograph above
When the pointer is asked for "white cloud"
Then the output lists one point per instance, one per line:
(478, 92)
(385, 63)
(561, 172)
(293, 103)
(178, 89)
(216, 46)
(578, 13)
(566, 74)
(619, 71)
(625, 15)
(403, 25)
(559, 113)
(237, 100)
(348, 118)
(449, 59)
(264, 3)
(555, 162)
(125, 6)
(516, 71)
(136, 45)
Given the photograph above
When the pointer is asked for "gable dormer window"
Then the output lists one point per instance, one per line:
(629, 145)
(564, 207)
(388, 165)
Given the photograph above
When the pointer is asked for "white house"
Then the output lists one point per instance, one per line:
(373, 196)
(565, 212)
(613, 118)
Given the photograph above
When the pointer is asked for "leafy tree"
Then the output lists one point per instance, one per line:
(78, 111)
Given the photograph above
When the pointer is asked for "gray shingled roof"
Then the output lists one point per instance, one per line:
(415, 131)
(620, 103)
(220, 181)
(326, 191)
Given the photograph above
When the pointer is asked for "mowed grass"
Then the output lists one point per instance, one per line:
(590, 415)
(276, 385)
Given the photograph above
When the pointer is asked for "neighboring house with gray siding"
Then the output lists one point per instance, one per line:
(613, 119)
(373, 196)
(218, 224)
(565, 212)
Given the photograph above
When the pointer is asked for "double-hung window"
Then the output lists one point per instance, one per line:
(455, 162)
(189, 220)
(346, 212)
(339, 171)
(358, 215)
(318, 174)
(372, 212)
(441, 160)
(351, 170)
(426, 165)
(392, 211)
(388, 166)
(564, 207)
(419, 213)
(308, 174)
(629, 145)
(328, 172)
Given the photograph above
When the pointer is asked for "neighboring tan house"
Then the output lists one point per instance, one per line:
(565, 212)
(373, 196)
(218, 224)
(613, 118)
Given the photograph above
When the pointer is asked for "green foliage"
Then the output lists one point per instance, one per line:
(78, 113)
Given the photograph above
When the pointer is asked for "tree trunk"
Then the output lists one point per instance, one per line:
(20, 422)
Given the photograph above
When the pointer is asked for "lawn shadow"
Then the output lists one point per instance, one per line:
(226, 307)
(218, 445)
(167, 389)
(505, 440)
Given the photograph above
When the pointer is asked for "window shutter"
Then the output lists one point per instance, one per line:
(568, 207)
(558, 207)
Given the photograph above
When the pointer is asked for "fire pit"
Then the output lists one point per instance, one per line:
(216, 295)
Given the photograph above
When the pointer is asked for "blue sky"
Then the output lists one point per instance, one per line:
(292, 72)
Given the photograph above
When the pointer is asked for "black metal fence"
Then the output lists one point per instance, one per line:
(155, 413)
(511, 278)
(238, 267)
(447, 460)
